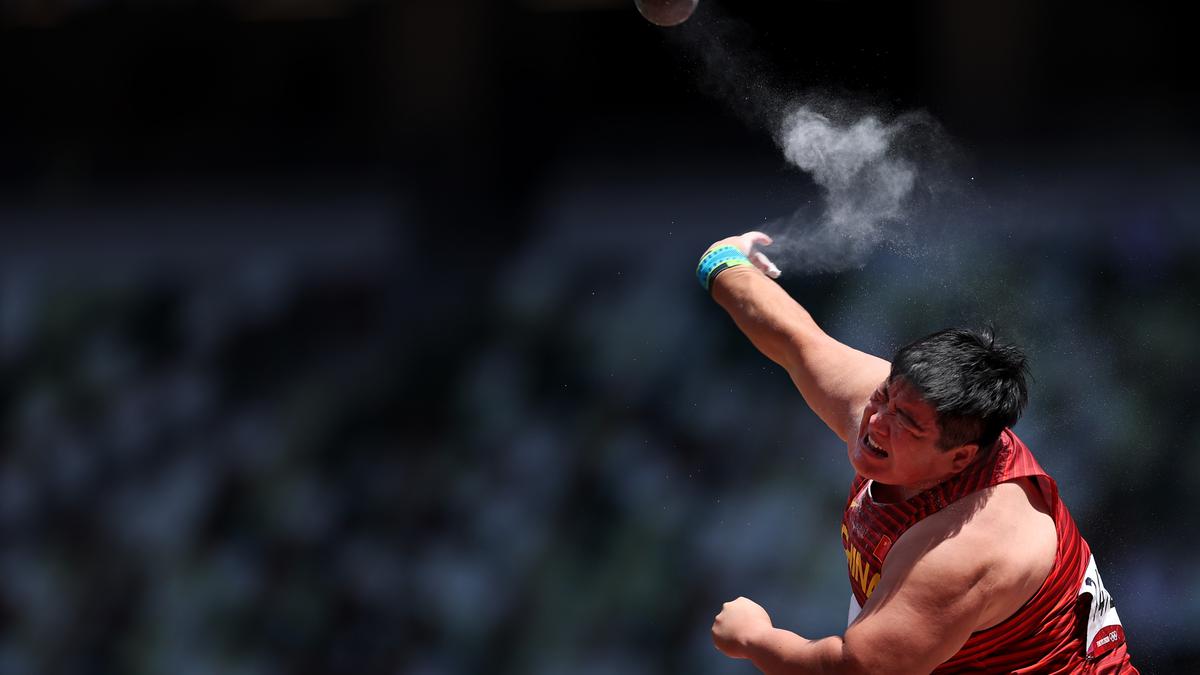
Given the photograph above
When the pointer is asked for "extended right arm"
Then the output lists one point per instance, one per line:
(835, 380)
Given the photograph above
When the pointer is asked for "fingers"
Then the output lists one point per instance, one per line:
(735, 626)
(757, 238)
(762, 262)
(747, 243)
(753, 239)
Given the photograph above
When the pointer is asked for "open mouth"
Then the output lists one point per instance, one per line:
(872, 448)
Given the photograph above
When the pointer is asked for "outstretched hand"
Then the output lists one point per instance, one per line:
(748, 244)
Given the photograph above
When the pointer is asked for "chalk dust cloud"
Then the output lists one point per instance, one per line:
(875, 169)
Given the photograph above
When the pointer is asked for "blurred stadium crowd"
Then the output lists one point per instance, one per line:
(260, 468)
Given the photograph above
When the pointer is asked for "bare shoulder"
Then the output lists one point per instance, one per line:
(1001, 541)
(963, 569)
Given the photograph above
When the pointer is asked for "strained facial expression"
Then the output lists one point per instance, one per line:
(897, 441)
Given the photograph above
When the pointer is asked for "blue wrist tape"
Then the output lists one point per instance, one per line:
(716, 260)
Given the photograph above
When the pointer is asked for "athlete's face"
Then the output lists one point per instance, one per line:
(897, 440)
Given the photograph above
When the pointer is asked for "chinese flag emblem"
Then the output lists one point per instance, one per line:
(882, 548)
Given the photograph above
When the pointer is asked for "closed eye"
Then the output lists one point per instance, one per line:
(909, 421)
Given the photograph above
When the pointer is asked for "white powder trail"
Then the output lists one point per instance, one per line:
(866, 183)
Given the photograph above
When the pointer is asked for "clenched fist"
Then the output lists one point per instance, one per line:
(740, 622)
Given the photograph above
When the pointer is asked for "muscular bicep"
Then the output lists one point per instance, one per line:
(836, 381)
(930, 598)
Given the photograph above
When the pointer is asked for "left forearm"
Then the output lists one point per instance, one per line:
(781, 652)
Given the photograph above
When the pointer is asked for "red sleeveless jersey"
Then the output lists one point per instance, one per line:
(1069, 625)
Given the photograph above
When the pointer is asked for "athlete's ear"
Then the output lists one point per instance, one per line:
(963, 456)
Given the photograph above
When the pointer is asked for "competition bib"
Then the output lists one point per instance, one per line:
(1104, 631)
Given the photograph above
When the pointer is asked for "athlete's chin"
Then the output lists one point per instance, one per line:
(866, 463)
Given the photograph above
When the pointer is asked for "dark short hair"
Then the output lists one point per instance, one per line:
(975, 383)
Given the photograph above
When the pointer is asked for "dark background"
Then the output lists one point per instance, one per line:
(362, 337)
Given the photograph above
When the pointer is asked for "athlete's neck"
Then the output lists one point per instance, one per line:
(887, 494)
(890, 494)
(884, 493)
